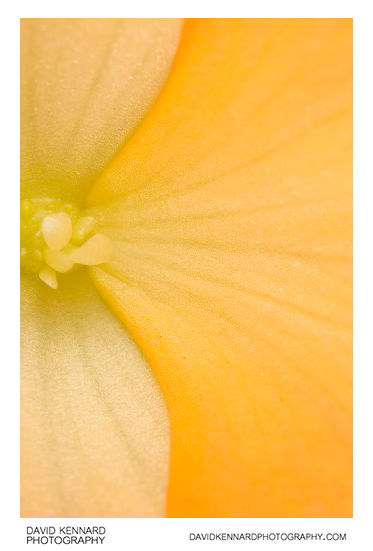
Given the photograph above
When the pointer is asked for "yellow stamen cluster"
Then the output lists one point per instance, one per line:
(55, 237)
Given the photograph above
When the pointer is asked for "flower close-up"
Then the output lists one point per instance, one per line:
(186, 268)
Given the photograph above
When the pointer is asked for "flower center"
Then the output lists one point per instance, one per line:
(55, 237)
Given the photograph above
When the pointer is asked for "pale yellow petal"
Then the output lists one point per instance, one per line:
(85, 86)
(94, 428)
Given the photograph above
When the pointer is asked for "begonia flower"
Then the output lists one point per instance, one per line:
(214, 157)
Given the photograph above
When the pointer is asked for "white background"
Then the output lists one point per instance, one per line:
(136, 534)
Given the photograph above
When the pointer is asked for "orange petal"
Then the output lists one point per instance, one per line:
(230, 212)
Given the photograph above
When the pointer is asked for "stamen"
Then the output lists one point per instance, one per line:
(58, 260)
(54, 238)
(57, 230)
(83, 229)
(49, 277)
(96, 250)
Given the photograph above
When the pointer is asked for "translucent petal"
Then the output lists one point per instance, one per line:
(90, 403)
(86, 84)
(94, 428)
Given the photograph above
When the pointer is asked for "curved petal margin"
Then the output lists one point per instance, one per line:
(230, 209)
